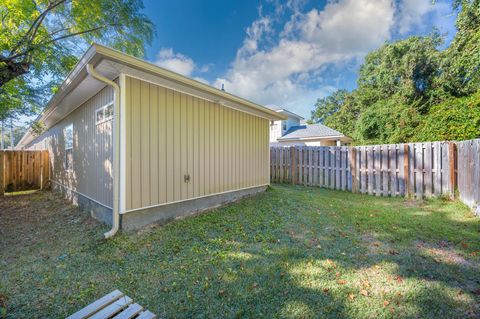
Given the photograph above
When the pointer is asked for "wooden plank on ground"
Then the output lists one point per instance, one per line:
(130, 312)
(97, 305)
(146, 315)
(113, 308)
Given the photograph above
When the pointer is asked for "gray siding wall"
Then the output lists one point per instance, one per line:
(92, 151)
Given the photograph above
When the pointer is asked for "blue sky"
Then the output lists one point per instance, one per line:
(287, 53)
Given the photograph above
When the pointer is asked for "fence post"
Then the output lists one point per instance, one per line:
(452, 149)
(2, 172)
(406, 164)
(353, 168)
(293, 164)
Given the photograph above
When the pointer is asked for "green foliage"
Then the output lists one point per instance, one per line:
(38, 127)
(454, 119)
(461, 60)
(407, 88)
(40, 41)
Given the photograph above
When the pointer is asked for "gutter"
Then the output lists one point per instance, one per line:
(116, 149)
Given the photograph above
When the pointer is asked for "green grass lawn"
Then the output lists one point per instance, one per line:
(292, 252)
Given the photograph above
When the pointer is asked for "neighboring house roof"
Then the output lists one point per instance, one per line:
(312, 131)
(286, 112)
(78, 87)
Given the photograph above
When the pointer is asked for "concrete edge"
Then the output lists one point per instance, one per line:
(161, 215)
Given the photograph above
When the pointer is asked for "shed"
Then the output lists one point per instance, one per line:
(137, 144)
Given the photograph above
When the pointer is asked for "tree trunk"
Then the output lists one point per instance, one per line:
(11, 135)
(1, 138)
(11, 70)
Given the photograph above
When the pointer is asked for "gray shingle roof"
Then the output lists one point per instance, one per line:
(312, 130)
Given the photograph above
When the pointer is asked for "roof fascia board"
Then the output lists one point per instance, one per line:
(175, 77)
(291, 113)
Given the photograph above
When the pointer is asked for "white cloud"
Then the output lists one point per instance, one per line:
(411, 13)
(176, 62)
(284, 73)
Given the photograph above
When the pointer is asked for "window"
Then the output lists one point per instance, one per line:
(284, 125)
(105, 113)
(68, 136)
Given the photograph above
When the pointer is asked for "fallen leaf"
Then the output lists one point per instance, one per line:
(255, 285)
(341, 281)
(326, 290)
(221, 292)
(386, 303)
(393, 252)
(399, 279)
(364, 292)
(366, 284)
(351, 296)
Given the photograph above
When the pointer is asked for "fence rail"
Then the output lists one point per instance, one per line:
(23, 170)
(414, 169)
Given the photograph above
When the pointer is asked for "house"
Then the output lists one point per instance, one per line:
(294, 131)
(136, 144)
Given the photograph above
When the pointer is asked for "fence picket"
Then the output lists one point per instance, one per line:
(416, 169)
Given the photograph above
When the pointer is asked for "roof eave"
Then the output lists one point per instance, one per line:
(149, 67)
(97, 52)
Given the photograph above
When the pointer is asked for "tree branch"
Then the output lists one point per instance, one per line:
(36, 24)
(63, 37)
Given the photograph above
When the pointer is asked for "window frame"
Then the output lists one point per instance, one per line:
(68, 148)
(103, 110)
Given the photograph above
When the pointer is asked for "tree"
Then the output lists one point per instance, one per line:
(461, 60)
(338, 111)
(41, 40)
(410, 91)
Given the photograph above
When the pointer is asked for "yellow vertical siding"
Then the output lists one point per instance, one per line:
(171, 134)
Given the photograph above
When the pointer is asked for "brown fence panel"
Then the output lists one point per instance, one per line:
(23, 170)
(414, 169)
(468, 173)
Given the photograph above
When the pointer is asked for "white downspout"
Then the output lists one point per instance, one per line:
(116, 148)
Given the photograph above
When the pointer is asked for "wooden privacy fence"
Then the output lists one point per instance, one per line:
(414, 169)
(23, 170)
(468, 162)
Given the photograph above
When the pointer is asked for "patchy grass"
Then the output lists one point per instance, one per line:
(293, 252)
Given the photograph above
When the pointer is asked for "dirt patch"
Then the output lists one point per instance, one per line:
(443, 252)
(413, 203)
(39, 219)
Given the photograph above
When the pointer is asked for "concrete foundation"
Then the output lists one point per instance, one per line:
(96, 210)
(162, 214)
